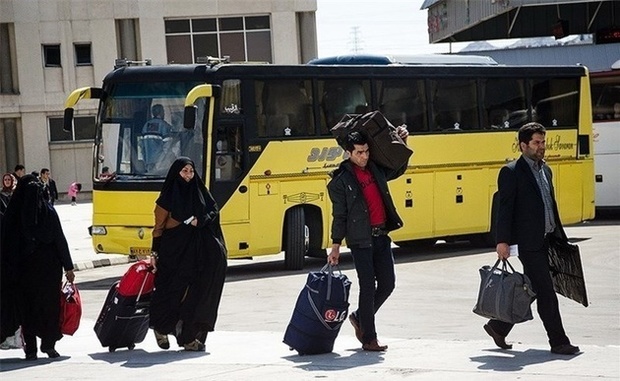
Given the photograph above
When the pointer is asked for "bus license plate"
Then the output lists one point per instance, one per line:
(140, 251)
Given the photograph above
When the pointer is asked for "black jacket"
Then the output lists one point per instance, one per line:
(521, 215)
(351, 220)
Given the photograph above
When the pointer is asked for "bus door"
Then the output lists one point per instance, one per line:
(228, 167)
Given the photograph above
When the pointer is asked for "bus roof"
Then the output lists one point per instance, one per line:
(413, 59)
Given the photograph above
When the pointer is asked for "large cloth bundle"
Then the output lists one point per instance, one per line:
(387, 149)
(504, 295)
(321, 308)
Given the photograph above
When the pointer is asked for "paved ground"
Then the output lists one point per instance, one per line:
(427, 323)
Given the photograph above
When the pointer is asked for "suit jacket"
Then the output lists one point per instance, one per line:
(521, 215)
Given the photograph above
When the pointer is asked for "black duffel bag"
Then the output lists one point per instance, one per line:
(504, 295)
(387, 149)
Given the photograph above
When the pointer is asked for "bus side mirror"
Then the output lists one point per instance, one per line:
(189, 118)
(68, 120)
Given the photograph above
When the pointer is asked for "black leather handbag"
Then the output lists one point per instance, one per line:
(504, 295)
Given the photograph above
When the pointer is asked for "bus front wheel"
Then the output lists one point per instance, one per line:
(297, 237)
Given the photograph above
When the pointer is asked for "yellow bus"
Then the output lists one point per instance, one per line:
(262, 144)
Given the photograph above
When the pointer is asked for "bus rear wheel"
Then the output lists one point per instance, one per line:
(297, 236)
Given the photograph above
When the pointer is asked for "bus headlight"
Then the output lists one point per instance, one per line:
(98, 230)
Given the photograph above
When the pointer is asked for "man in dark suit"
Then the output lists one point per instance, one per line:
(49, 185)
(527, 216)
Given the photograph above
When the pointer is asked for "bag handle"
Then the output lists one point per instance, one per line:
(505, 265)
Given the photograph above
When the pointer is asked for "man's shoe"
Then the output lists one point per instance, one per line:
(51, 353)
(565, 349)
(356, 325)
(499, 340)
(374, 346)
(162, 340)
(194, 346)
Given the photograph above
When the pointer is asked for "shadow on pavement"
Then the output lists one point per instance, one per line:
(514, 361)
(334, 361)
(138, 358)
(17, 363)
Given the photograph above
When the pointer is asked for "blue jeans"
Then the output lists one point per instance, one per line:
(375, 273)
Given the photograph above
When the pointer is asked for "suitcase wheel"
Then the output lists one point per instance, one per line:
(111, 349)
(131, 346)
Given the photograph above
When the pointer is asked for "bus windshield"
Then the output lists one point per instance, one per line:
(141, 131)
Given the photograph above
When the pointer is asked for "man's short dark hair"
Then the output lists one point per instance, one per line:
(19, 167)
(44, 170)
(105, 169)
(528, 130)
(352, 139)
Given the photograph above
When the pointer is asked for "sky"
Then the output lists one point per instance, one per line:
(374, 26)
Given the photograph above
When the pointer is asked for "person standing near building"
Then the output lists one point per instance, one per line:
(49, 185)
(74, 189)
(527, 216)
(363, 214)
(8, 185)
(188, 258)
(19, 171)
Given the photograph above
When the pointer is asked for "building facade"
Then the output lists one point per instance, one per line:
(50, 48)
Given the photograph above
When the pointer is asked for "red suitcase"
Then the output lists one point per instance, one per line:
(138, 279)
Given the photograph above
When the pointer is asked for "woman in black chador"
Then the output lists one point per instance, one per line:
(34, 253)
(189, 258)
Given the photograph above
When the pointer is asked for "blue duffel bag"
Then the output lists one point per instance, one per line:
(322, 306)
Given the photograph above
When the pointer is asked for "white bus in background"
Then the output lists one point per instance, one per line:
(605, 88)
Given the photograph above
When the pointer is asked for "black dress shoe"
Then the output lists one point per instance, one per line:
(499, 340)
(31, 356)
(374, 346)
(51, 353)
(565, 349)
(356, 326)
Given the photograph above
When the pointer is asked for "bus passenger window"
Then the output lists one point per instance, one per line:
(284, 108)
(555, 102)
(504, 103)
(404, 102)
(454, 105)
(340, 97)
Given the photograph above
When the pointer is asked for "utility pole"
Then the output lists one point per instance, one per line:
(356, 41)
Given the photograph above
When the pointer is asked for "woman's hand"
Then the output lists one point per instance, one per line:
(70, 276)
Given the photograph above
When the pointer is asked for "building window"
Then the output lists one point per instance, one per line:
(83, 129)
(126, 39)
(8, 64)
(83, 55)
(51, 55)
(240, 38)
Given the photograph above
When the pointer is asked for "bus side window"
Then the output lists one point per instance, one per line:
(404, 103)
(455, 105)
(287, 108)
(342, 97)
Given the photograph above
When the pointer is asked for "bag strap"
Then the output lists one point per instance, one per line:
(148, 272)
